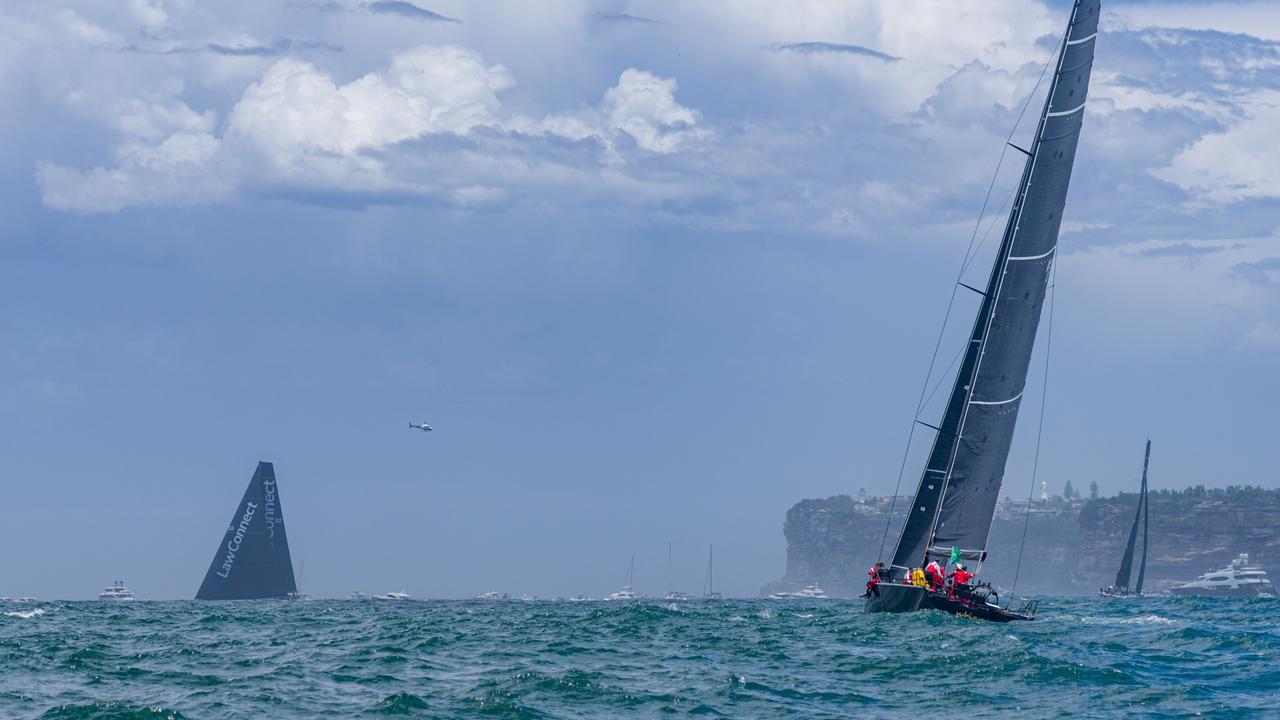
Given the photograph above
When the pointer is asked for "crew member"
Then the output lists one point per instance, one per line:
(917, 577)
(959, 577)
(933, 571)
(873, 579)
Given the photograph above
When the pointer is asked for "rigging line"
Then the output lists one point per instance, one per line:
(1004, 150)
(990, 226)
(969, 251)
(1044, 395)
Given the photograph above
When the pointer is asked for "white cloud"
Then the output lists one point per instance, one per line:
(149, 12)
(644, 106)
(1247, 17)
(183, 169)
(299, 119)
(1237, 164)
(297, 128)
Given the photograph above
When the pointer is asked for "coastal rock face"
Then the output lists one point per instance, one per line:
(1191, 531)
(831, 543)
(1072, 547)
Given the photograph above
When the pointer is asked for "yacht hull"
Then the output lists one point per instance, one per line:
(1236, 592)
(893, 598)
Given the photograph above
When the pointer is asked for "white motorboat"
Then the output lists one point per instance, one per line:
(1239, 579)
(402, 595)
(117, 592)
(493, 595)
(808, 592)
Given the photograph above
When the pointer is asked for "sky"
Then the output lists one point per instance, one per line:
(654, 270)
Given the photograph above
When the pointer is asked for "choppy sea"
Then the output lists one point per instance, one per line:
(1150, 658)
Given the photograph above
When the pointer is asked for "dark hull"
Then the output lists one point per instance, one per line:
(974, 610)
(910, 598)
(896, 599)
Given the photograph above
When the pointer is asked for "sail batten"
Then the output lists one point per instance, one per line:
(252, 561)
(975, 434)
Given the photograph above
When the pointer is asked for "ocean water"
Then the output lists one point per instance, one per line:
(1156, 658)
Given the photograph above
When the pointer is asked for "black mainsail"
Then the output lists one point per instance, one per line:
(955, 501)
(1139, 517)
(252, 562)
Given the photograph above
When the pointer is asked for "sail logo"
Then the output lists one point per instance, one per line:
(269, 495)
(233, 545)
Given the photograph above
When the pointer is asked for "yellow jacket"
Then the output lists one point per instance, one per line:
(917, 577)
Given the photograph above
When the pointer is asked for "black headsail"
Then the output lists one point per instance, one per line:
(252, 561)
(956, 498)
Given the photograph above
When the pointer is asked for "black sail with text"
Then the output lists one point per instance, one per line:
(252, 562)
(955, 501)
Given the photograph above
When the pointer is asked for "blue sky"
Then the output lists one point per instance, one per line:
(654, 270)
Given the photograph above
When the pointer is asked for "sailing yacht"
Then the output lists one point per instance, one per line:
(672, 595)
(709, 586)
(954, 504)
(252, 560)
(1120, 588)
(627, 593)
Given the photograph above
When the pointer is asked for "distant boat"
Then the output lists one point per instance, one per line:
(357, 595)
(493, 595)
(709, 585)
(1121, 586)
(672, 595)
(252, 561)
(1239, 579)
(808, 592)
(581, 598)
(402, 595)
(627, 593)
(950, 516)
(117, 592)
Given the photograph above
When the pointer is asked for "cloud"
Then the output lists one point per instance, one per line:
(180, 170)
(1258, 272)
(296, 132)
(406, 9)
(621, 18)
(827, 47)
(1234, 165)
(281, 46)
(644, 106)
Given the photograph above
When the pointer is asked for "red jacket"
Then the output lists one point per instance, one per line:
(935, 575)
(960, 577)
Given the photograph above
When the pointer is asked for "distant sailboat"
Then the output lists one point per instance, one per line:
(709, 586)
(1121, 586)
(627, 593)
(252, 562)
(951, 513)
(672, 595)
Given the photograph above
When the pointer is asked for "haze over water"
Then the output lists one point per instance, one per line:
(753, 659)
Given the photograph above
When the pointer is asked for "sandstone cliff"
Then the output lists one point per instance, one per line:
(1071, 547)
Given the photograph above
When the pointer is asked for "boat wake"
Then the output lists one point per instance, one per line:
(1138, 620)
(25, 614)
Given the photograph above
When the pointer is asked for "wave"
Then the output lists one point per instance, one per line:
(25, 614)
